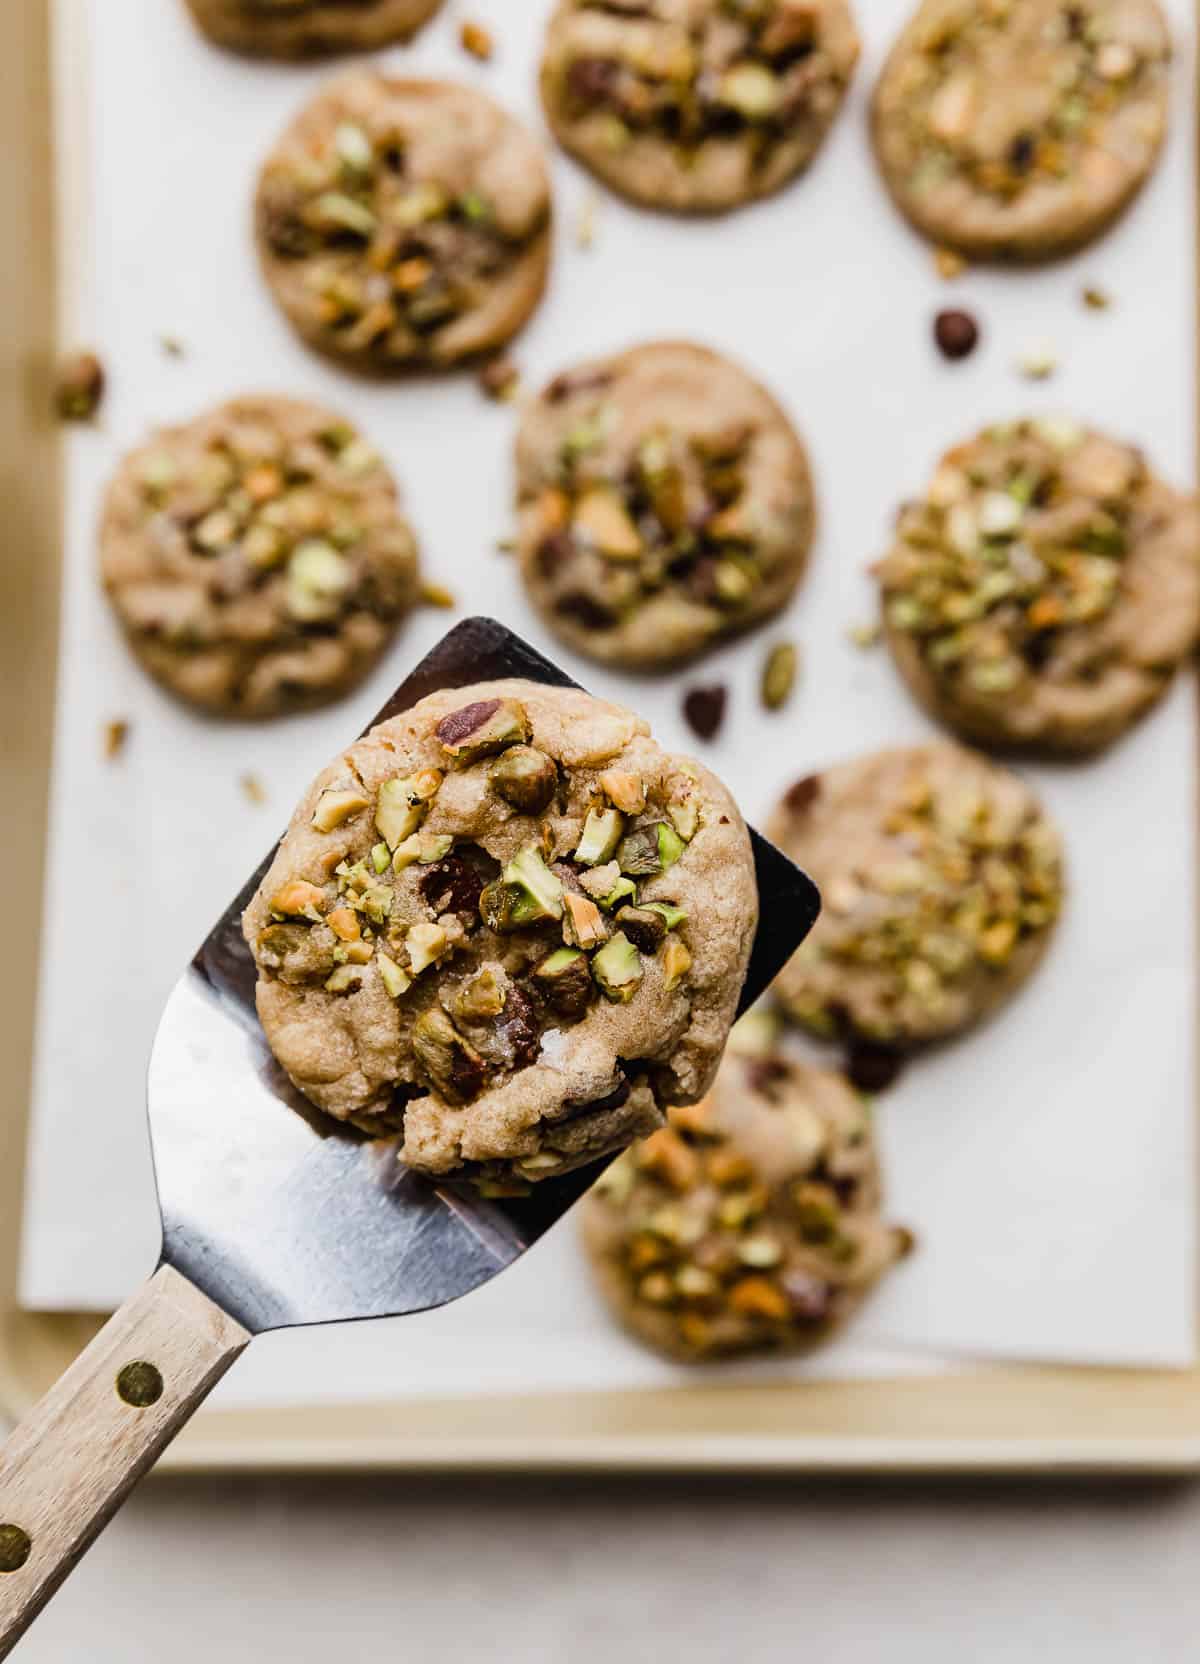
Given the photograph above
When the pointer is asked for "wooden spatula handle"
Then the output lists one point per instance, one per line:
(70, 1464)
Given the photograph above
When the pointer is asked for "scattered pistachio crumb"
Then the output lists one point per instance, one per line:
(79, 387)
(585, 225)
(779, 675)
(172, 346)
(500, 379)
(1038, 362)
(254, 789)
(1096, 300)
(865, 635)
(477, 40)
(506, 545)
(437, 595)
(949, 263)
(116, 733)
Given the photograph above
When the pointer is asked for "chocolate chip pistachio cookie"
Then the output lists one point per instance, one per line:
(665, 503)
(508, 926)
(256, 557)
(1019, 129)
(696, 105)
(309, 28)
(941, 879)
(751, 1222)
(404, 223)
(1044, 590)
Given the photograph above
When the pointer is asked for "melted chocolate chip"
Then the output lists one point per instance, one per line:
(456, 884)
(1021, 152)
(593, 80)
(798, 799)
(517, 1030)
(704, 709)
(764, 1074)
(456, 727)
(586, 611)
(956, 334)
(553, 554)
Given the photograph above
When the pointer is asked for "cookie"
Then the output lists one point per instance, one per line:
(1019, 129)
(665, 503)
(751, 1222)
(404, 223)
(696, 106)
(941, 880)
(1044, 590)
(309, 28)
(256, 557)
(508, 926)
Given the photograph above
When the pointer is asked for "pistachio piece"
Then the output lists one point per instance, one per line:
(673, 915)
(602, 522)
(483, 728)
(598, 882)
(345, 979)
(343, 921)
(335, 808)
(623, 890)
(637, 853)
(817, 1210)
(376, 903)
(617, 969)
(79, 387)
(426, 943)
(751, 89)
(393, 978)
(317, 581)
(433, 846)
(381, 857)
(353, 953)
(525, 777)
(670, 845)
(298, 900)
(779, 675)
(626, 791)
(454, 1066)
(482, 997)
(565, 981)
(403, 804)
(601, 834)
(677, 962)
(525, 893)
(583, 926)
(644, 926)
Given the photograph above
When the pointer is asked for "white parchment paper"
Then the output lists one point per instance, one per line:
(1046, 1162)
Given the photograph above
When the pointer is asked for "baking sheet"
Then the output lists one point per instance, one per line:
(1047, 1162)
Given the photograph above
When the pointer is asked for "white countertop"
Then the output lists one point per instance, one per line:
(305, 1572)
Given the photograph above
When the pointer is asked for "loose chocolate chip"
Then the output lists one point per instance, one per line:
(456, 727)
(801, 797)
(872, 1068)
(956, 333)
(704, 709)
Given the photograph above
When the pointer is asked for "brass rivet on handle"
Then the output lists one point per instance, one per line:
(140, 1385)
(15, 1548)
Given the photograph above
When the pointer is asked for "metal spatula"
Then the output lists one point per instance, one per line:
(273, 1215)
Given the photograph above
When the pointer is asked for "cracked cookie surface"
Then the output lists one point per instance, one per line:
(404, 223)
(1044, 590)
(1019, 129)
(309, 28)
(256, 557)
(941, 880)
(696, 105)
(509, 927)
(752, 1222)
(665, 503)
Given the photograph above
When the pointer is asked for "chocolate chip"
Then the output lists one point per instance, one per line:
(801, 797)
(456, 727)
(956, 333)
(872, 1068)
(704, 709)
(1021, 152)
(553, 553)
(517, 1029)
(764, 1074)
(593, 615)
(592, 80)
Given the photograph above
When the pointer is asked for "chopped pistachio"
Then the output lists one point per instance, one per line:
(403, 804)
(345, 979)
(334, 808)
(565, 980)
(525, 777)
(482, 997)
(639, 854)
(625, 791)
(381, 858)
(116, 733)
(751, 89)
(317, 581)
(602, 522)
(454, 1066)
(673, 915)
(623, 890)
(617, 968)
(527, 892)
(426, 944)
(779, 675)
(583, 926)
(393, 978)
(476, 40)
(670, 845)
(601, 834)
(298, 900)
(646, 927)
(376, 903)
(79, 387)
(437, 595)
(482, 729)
(343, 921)
(677, 962)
